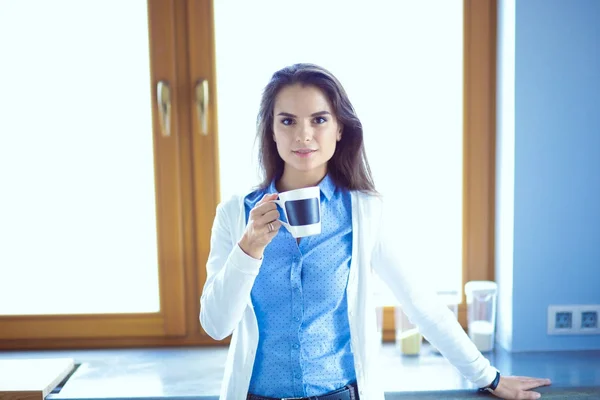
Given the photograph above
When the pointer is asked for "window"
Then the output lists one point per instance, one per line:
(158, 179)
(91, 208)
(403, 73)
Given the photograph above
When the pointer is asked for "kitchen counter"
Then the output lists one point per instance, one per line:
(196, 372)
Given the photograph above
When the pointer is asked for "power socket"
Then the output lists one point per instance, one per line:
(574, 320)
(589, 323)
(561, 319)
(589, 319)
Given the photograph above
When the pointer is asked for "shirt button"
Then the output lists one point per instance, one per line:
(298, 376)
(297, 319)
(295, 346)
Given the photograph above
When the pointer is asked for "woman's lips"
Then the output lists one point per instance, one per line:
(305, 153)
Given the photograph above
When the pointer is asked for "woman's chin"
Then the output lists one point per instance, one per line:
(308, 167)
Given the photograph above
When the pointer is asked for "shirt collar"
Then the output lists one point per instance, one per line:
(327, 187)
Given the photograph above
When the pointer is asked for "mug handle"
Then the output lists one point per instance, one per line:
(280, 204)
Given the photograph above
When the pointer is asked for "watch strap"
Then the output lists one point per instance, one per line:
(492, 386)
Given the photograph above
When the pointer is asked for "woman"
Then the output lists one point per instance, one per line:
(301, 310)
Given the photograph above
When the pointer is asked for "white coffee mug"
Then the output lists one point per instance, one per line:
(302, 210)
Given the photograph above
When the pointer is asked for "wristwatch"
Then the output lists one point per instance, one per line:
(492, 386)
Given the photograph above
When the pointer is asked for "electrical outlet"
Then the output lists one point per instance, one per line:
(574, 320)
(589, 319)
(561, 320)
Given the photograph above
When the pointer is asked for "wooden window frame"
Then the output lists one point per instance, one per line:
(479, 150)
(106, 330)
(183, 51)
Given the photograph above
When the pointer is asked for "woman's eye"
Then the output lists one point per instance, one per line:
(287, 121)
(320, 120)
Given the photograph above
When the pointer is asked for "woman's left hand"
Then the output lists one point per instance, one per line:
(519, 387)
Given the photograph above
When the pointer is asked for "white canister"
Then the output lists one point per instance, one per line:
(481, 313)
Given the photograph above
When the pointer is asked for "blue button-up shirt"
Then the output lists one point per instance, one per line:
(299, 298)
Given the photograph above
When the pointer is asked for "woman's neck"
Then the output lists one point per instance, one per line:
(291, 180)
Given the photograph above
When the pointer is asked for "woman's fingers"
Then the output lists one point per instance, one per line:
(262, 207)
(519, 387)
(528, 378)
(265, 216)
(262, 227)
(534, 383)
(267, 198)
(275, 225)
(529, 395)
(269, 216)
(264, 219)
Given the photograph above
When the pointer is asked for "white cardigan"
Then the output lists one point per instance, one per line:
(226, 306)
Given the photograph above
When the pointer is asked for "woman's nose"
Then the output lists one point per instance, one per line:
(304, 133)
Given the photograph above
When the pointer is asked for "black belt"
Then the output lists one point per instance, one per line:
(348, 392)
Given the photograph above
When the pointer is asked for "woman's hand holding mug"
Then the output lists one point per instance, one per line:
(263, 225)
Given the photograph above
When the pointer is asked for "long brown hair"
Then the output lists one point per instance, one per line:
(348, 167)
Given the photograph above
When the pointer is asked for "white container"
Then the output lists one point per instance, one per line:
(481, 313)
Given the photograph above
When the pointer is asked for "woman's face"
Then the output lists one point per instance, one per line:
(305, 130)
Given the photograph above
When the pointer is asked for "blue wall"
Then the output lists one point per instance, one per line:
(556, 256)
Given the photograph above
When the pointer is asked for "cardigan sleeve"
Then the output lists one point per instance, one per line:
(230, 276)
(423, 308)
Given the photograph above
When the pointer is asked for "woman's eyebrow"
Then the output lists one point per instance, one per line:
(319, 113)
